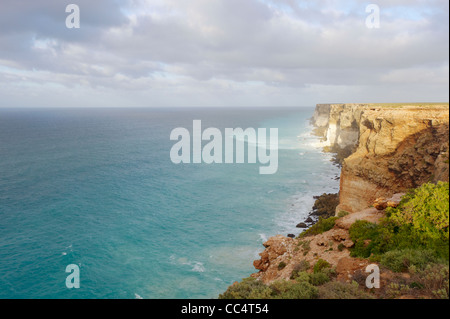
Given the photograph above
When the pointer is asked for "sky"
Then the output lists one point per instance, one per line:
(183, 53)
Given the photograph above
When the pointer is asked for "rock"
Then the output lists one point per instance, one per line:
(372, 215)
(348, 244)
(302, 225)
(322, 242)
(291, 235)
(340, 235)
(395, 200)
(275, 247)
(380, 203)
(260, 265)
(309, 220)
(325, 205)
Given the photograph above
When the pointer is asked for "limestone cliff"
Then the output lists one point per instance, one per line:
(393, 148)
(338, 124)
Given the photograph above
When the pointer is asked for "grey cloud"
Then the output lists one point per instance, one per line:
(202, 45)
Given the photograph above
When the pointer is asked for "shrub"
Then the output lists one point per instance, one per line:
(434, 280)
(427, 209)
(300, 267)
(283, 289)
(281, 265)
(365, 235)
(318, 279)
(419, 222)
(342, 290)
(303, 276)
(401, 260)
(321, 265)
(320, 227)
(395, 290)
(249, 288)
(342, 213)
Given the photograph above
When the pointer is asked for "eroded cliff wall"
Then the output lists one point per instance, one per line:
(393, 148)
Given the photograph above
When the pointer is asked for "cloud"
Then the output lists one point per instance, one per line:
(223, 52)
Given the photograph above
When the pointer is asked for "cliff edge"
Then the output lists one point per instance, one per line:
(386, 149)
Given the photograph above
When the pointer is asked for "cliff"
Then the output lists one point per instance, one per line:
(386, 149)
(390, 149)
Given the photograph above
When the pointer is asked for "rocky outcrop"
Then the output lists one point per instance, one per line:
(394, 148)
(331, 246)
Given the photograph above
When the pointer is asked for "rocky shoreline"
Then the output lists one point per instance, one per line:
(324, 207)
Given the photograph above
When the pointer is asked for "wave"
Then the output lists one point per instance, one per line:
(197, 266)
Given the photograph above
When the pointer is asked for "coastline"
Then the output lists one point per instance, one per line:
(380, 137)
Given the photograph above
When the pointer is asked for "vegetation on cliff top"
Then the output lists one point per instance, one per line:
(413, 238)
(394, 105)
(420, 222)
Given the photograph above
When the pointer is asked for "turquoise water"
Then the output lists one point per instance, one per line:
(97, 188)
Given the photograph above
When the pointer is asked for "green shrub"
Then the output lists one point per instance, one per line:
(303, 276)
(281, 265)
(401, 260)
(419, 222)
(300, 267)
(318, 279)
(342, 290)
(427, 209)
(366, 236)
(249, 288)
(283, 289)
(342, 213)
(395, 290)
(315, 279)
(320, 227)
(433, 280)
(321, 265)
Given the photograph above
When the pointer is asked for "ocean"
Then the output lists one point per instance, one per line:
(96, 188)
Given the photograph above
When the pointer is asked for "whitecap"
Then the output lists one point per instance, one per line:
(198, 267)
(263, 238)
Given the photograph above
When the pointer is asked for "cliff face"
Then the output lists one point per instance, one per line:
(392, 148)
(338, 124)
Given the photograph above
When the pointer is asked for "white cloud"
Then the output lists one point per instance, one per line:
(223, 52)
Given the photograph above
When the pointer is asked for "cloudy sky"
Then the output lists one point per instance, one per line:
(222, 53)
